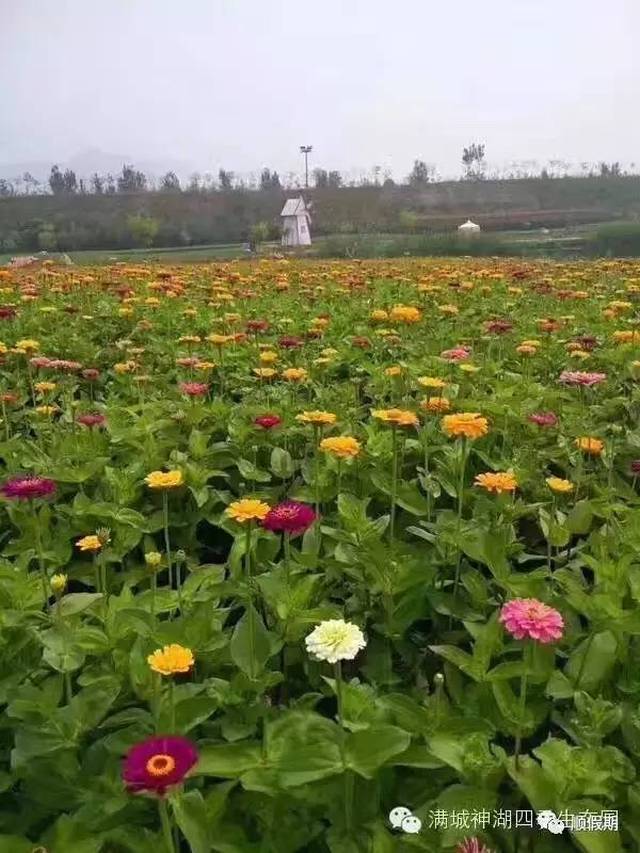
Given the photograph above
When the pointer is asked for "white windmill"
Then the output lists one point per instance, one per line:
(295, 223)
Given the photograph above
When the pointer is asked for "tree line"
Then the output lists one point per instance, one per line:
(132, 180)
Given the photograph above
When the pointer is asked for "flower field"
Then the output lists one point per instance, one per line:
(288, 545)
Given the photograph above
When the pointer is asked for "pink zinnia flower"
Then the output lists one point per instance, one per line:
(158, 763)
(65, 365)
(456, 354)
(580, 378)
(529, 618)
(94, 419)
(472, 845)
(28, 488)
(189, 361)
(268, 421)
(194, 389)
(289, 517)
(543, 419)
(40, 361)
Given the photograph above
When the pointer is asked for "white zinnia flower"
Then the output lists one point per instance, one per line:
(335, 640)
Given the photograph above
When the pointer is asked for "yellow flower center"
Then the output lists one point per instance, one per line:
(161, 764)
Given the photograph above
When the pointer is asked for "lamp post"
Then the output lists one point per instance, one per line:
(306, 149)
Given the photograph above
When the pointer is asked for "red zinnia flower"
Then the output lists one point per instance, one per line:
(194, 389)
(7, 313)
(498, 327)
(257, 325)
(91, 374)
(635, 467)
(543, 419)
(290, 342)
(28, 488)
(268, 421)
(289, 517)
(9, 398)
(158, 763)
(92, 419)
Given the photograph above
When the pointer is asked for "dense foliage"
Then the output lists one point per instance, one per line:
(206, 469)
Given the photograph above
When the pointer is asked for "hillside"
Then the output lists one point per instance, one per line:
(74, 222)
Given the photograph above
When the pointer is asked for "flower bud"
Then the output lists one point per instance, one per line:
(58, 583)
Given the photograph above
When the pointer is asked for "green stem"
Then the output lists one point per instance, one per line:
(166, 825)
(347, 777)
(394, 484)
(43, 573)
(583, 662)
(250, 611)
(172, 704)
(167, 544)
(287, 555)
(154, 587)
(316, 475)
(463, 467)
(523, 699)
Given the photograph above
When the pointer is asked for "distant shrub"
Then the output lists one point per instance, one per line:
(617, 240)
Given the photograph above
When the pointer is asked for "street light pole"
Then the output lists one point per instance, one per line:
(306, 149)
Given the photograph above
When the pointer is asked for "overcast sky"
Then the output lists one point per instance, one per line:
(242, 83)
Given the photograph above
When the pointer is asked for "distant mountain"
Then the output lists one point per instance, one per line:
(91, 160)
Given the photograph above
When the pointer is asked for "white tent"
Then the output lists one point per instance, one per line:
(468, 227)
(295, 223)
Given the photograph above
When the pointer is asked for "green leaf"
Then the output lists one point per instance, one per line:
(366, 751)
(75, 602)
(593, 660)
(250, 645)
(228, 760)
(304, 747)
(191, 816)
(282, 464)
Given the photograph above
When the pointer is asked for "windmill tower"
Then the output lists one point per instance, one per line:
(295, 223)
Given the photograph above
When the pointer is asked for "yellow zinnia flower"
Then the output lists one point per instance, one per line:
(247, 509)
(317, 417)
(400, 417)
(557, 484)
(431, 382)
(590, 446)
(171, 659)
(342, 446)
(294, 374)
(465, 424)
(164, 479)
(89, 543)
(499, 482)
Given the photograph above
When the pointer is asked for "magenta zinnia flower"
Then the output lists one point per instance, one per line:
(194, 389)
(634, 467)
(268, 421)
(543, 419)
(580, 378)
(28, 488)
(289, 517)
(529, 618)
(290, 342)
(158, 763)
(472, 845)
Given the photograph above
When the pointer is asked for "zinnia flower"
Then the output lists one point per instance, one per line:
(580, 378)
(164, 479)
(589, 445)
(171, 659)
(194, 389)
(634, 467)
(456, 354)
(498, 482)
(92, 420)
(317, 417)
(335, 640)
(268, 421)
(342, 446)
(431, 382)
(28, 488)
(465, 424)
(543, 419)
(529, 618)
(158, 763)
(437, 405)
(405, 314)
(294, 374)
(472, 845)
(399, 417)
(289, 517)
(557, 484)
(247, 509)
(89, 543)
